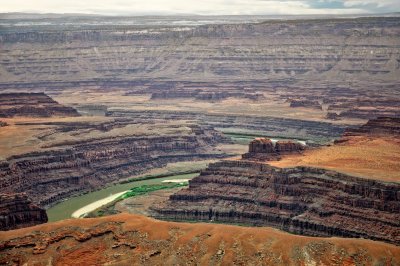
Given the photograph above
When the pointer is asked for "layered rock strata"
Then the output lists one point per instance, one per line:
(264, 149)
(306, 103)
(304, 59)
(17, 211)
(301, 200)
(265, 125)
(358, 48)
(64, 168)
(125, 239)
(32, 105)
(379, 127)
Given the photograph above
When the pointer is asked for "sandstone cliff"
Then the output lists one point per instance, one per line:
(32, 105)
(301, 200)
(136, 240)
(310, 60)
(263, 149)
(267, 125)
(17, 211)
(74, 157)
(379, 127)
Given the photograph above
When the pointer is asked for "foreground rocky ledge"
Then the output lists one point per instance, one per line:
(132, 239)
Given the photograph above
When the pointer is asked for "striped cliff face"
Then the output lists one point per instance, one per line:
(17, 211)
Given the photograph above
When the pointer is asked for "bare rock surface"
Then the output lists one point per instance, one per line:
(17, 211)
(126, 239)
(299, 199)
(73, 157)
(32, 105)
(263, 149)
(382, 126)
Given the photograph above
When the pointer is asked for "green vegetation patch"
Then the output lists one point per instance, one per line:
(190, 173)
(145, 189)
(108, 209)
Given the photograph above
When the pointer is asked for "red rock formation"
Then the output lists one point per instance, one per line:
(32, 105)
(17, 211)
(301, 200)
(261, 145)
(380, 127)
(71, 167)
(137, 240)
(263, 149)
(370, 113)
(283, 147)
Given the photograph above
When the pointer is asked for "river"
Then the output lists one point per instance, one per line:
(64, 210)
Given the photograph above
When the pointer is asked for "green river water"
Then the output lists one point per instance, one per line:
(64, 210)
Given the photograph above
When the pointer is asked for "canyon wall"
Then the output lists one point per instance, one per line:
(301, 200)
(97, 154)
(32, 105)
(382, 127)
(299, 49)
(17, 211)
(245, 124)
(345, 64)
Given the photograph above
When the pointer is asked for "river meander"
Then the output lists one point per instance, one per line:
(64, 210)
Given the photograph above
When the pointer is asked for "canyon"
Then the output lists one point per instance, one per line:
(299, 199)
(72, 157)
(345, 69)
(87, 102)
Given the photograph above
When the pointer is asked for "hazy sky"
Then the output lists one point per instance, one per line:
(201, 7)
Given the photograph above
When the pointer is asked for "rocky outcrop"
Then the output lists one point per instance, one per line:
(264, 149)
(370, 113)
(65, 168)
(302, 200)
(125, 239)
(3, 124)
(306, 103)
(213, 93)
(365, 108)
(32, 105)
(17, 211)
(259, 125)
(379, 127)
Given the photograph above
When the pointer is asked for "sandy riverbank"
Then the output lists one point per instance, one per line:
(175, 181)
(94, 205)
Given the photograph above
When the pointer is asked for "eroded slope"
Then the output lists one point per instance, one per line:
(131, 239)
(54, 159)
(301, 199)
(32, 105)
(17, 211)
